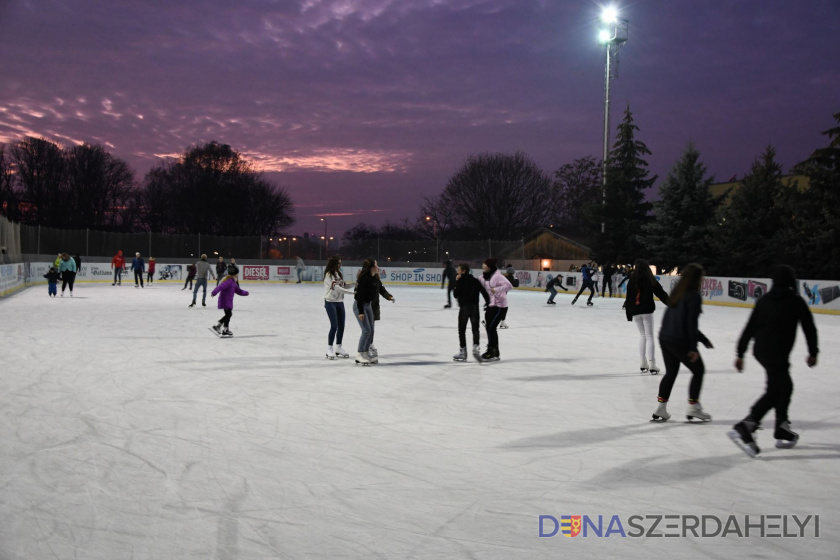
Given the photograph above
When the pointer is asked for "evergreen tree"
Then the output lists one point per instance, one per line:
(625, 210)
(750, 232)
(813, 238)
(684, 216)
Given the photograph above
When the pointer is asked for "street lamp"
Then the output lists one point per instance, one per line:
(613, 35)
(326, 249)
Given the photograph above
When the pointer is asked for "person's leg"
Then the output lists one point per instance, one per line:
(670, 354)
(553, 293)
(340, 318)
(65, 277)
(195, 289)
(475, 319)
(582, 287)
(362, 325)
(226, 319)
(204, 292)
(371, 325)
(449, 289)
(698, 369)
(640, 325)
(492, 318)
(592, 290)
(71, 282)
(333, 315)
(463, 317)
(116, 271)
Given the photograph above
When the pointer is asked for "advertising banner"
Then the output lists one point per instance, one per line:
(12, 278)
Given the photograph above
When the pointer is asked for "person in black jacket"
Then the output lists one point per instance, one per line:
(639, 307)
(362, 306)
(609, 271)
(467, 290)
(52, 281)
(773, 326)
(221, 267)
(373, 353)
(678, 339)
(448, 274)
(557, 281)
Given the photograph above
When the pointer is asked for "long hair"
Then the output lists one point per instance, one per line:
(691, 281)
(641, 275)
(333, 268)
(366, 266)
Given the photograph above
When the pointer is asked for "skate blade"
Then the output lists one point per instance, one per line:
(690, 419)
(785, 444)
(330, 357)
(459, 359)
(745, 447)
(654, 372)
(643, 370)
(659, 419)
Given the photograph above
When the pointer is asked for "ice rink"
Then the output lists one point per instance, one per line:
(130, 431)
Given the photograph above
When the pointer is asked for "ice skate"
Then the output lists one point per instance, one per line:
(373, 359)
(549, 302)
(217, 327)
(652, 367)
(574, 301)
(227, 333)
(373, 352)
(643, 367)
(590, 304)
(503, 325)
(741, 435)
(362, 359)
(696, 411)
(341, 352)
(191, 305)
(661, 413)
(461, 356)
(785, 438)
(447, 306)
(490, 355)
(330, 353)
(203, 304)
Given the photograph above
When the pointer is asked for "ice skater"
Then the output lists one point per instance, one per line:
(221, 267)
(334, 290)
(448, 275)
(226, 289)
(202, 270)
(609, 272)
(188, 281)
(373, 353)
(678, 339)
(118, 265)
(639, 307)
(553, 284)
(497, 287)
(467, 290)
(67, 270)
(586, 283)
(773, 326)
(138, 265)
(150, 277)
(299, 267)
(52, 281)
(362, 307)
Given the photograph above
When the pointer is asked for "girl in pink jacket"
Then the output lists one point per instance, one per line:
(497, 287)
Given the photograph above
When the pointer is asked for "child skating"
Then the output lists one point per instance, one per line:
(226, 289)
(773, 326)
(52, 281)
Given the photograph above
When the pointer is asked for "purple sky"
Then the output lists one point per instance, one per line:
(361, 107)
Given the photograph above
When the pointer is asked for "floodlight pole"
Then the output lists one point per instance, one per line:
(616, 37)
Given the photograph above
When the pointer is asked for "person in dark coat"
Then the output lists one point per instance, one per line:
(678, 339)
(52, 281)
(639, 307)
(467, 290)
(553, 284)
(373, 353)
(772, 324)
(448, 274)
(191, 270)
(609, 272)
(366, 292)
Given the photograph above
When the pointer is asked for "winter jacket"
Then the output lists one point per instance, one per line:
(334, 288)
(448, 274)
(118, 261)
(496, 282)
(586, 273)
(138, 264)
(380, 291)
(221, 268)
(190, 271)
(67, 266)
(510, 274)
(467, 290)
(639, 300)
(366, 290)
(52, 277)
(202, 269)
(226, 290)
(78, 261)
(152, 265)
(679, 325)
(556, 281)
(773, 325)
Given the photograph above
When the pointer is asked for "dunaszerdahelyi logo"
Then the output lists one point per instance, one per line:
(570, 525)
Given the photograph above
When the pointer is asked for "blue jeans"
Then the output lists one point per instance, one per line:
(198, 283)
(335, 311)
(53, 288)
(367, 325)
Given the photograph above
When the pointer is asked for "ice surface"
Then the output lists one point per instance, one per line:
(131, 431)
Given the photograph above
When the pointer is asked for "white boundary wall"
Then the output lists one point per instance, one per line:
(821, 295)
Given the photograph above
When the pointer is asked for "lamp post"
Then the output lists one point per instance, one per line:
(326, 248)
(613, 35)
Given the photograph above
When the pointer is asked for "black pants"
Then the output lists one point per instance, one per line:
(492, 317)
(468, 313)
(606, 282)
(225, 321)
(118, 275)
(67, 279)
(587, 284)
(449, 289)
(674, 355)
(188, 281)
(138, 277)
(149, 277)
(777, 395)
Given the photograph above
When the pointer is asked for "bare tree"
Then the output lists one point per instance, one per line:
(39, 168)
(577, 195)
(498, 195)
(99, 188)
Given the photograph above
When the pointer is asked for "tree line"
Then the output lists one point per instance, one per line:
(210, 189)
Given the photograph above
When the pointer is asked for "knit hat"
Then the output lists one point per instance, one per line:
(232, 270)
(784, 278)
(492, 263)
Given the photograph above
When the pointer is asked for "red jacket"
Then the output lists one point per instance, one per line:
(118, 261)
(152, 266)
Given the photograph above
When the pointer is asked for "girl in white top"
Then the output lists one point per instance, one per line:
(334, 290)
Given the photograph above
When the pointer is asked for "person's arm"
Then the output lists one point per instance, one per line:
(659, 292)
(239, 291)
(384, 293)
(483, 292)
(810, 329)
(749, 332)
(692, 310)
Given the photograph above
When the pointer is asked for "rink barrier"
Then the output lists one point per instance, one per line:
(820, 295)
(13, 277)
